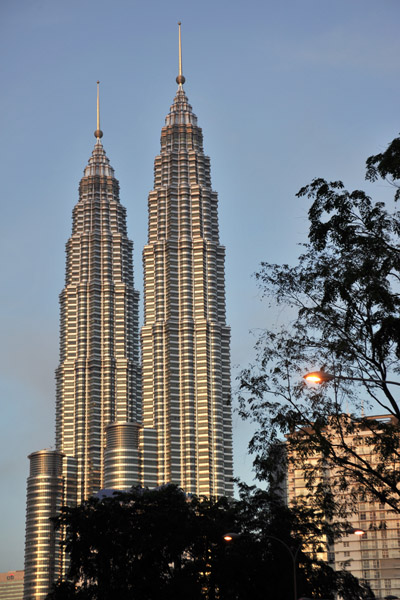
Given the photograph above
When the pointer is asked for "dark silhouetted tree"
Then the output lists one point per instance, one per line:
(344, 293)
(160, 544)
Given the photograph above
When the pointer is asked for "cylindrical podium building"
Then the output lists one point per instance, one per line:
(121, 458)
(45, 495)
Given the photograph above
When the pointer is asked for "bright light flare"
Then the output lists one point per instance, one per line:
(229, 537)
(358, 531)
(312, 378)
(318, 377)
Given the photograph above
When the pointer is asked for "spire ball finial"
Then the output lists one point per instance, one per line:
(98, 133)
(180, 79)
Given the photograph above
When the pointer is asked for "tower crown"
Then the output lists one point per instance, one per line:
(181, 111)
(98, 164)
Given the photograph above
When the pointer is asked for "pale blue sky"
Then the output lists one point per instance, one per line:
(283, 91)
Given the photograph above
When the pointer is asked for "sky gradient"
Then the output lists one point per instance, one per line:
(283, 91)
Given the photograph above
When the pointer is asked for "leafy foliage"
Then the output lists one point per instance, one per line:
(346, 296)
(148, 545)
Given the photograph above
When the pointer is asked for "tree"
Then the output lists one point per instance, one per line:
(153, 544)
(345, 294)
(273, 532)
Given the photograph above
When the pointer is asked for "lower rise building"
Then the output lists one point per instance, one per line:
(375, 556)
(12, 585)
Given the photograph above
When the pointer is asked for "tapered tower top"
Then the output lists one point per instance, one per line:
(98, 133)
(180, 79)
(98, 163)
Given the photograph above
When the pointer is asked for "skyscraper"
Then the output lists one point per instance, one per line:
(185, 339)
(98, 379)
(98, 376)
(184, 435)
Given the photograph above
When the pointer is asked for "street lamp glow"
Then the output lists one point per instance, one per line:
(323, 377)
(357, 531)
(228, 537)
(318, 377)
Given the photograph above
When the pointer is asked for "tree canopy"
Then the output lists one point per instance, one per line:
(161, 544)
(345, 294)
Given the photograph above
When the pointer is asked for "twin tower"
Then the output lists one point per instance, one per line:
(122, 420)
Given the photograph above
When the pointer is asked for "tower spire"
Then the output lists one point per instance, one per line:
(98, 133)
(180, 79)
